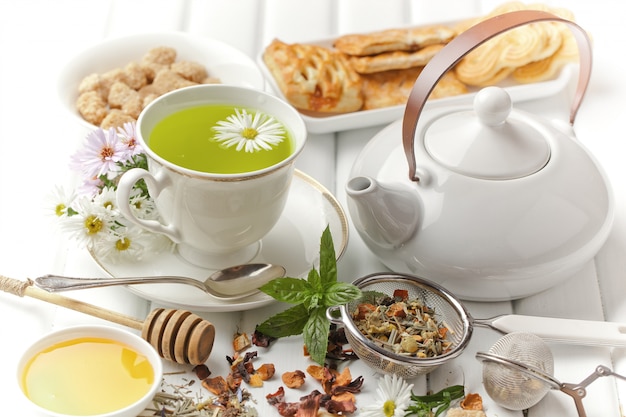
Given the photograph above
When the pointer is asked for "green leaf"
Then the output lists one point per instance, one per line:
(315, 334)
(423, 405)
(328, 260)
(288, 290)
(340, 293)
(286, 323)
(315, 280)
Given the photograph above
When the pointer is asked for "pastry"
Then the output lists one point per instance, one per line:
(394, 60)
(392, 88)
(410, 39)
(314, 78)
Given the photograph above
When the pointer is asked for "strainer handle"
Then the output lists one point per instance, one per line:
(331, 316)
(577, 332)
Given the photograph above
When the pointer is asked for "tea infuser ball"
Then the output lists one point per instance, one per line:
(513, 382)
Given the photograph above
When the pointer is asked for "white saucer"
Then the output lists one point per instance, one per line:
(293, 242)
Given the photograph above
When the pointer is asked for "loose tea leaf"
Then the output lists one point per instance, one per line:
(312, 297)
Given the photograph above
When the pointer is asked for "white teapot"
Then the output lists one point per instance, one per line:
(498, 204)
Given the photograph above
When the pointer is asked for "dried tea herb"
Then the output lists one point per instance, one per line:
(401, 324)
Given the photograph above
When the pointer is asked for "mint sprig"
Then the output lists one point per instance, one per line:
(425, 405)
(311, 296)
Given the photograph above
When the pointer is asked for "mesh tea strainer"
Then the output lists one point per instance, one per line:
(449, 310)
(517, 373)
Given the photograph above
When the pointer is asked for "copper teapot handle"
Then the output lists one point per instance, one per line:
(466, 42)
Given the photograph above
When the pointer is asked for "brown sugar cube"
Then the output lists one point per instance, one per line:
(166, 81)
(133, 106)
(121, 96)
(92, 82)
(151, 69)
(116, 118)
(135, 76)
(111, 77)
(148, 98)
(163, 55)
(190, 70)
(120, 93)
(92, 107)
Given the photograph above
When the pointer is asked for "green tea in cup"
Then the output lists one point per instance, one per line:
(203, 138)
(220, 163)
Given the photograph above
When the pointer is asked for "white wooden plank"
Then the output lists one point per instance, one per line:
(235, 22)
(356, 16)
(292, 21)
(136, 16)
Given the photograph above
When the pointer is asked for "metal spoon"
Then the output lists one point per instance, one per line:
(227, 284)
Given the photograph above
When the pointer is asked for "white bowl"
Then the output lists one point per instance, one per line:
(122, 336)
(221, 60)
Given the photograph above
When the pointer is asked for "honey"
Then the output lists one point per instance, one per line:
(87, 376)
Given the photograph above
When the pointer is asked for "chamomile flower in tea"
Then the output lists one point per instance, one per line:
(249, 132)
(221, 139)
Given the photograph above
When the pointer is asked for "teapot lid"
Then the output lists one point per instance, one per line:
(488, 141)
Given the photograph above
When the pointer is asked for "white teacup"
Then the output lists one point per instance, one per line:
(216, 219)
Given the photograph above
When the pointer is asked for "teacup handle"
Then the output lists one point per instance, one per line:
(466, 42)
(155, 186)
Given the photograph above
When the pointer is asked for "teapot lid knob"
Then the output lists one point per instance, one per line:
(492, 106)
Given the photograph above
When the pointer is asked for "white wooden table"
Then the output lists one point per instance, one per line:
(37, 138)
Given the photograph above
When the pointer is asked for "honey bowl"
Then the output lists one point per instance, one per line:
(90, 371)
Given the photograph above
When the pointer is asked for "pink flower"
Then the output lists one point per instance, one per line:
(128, 136)
(101, 154)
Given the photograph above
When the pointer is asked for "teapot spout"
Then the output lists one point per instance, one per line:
(385, 215)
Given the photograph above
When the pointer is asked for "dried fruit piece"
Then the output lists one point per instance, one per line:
(255, 381)
(266, 371)
(217, 385)
(241, 342)
(472, 402)
(293, 379)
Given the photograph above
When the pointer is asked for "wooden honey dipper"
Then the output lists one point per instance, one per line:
(177, 335)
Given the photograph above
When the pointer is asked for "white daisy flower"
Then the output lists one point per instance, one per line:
(123, 243)
(91, 223)
(106, 198)
(393, 396)
(251, 133)
(143, 206)
(60, 201)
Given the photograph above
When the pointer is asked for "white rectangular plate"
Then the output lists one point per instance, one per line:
(368, 118)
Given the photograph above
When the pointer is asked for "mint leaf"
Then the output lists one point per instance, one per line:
(328, 259)
(315, 334)
(315, 280)
(287, 323)
(340, 293)
(288, 290)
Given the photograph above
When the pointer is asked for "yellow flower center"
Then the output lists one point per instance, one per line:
(93, 224)
(249, 133)
(59, 210)
(122, 244)
(108, 205)
(389, 408)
